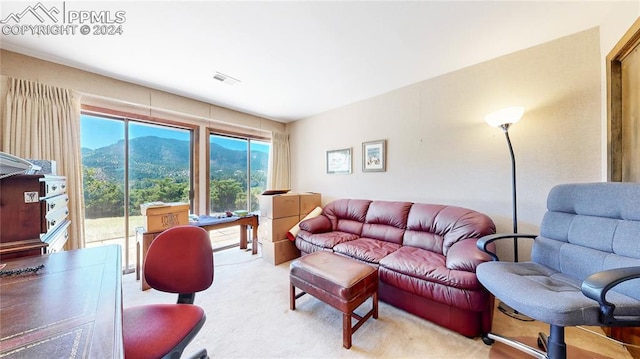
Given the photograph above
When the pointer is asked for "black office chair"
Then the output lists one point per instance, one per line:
(179, 260)
(584, 268)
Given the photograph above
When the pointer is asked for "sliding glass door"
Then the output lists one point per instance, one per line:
(130, 162)
(237, 177)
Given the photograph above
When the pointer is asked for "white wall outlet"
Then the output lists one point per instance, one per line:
(31, 197)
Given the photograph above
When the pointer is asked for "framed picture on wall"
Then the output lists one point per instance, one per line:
(374, 156)
(339, 161)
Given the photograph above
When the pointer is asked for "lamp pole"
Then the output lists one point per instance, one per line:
(505, 128)
(504, 119)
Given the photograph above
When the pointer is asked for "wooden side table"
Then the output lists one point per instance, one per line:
(144, 239)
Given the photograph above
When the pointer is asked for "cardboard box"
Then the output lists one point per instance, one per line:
(280, 205)
(279, 252)
(308, 202)
(158, 217)
(274, 230)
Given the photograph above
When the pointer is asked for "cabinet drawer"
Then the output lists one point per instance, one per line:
(52, 219)
(54, 203)
(57, 239)
(52, 187)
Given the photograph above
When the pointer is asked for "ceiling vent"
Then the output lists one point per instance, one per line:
(225, 78)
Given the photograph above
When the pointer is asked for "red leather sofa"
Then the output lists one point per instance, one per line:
(426, 256)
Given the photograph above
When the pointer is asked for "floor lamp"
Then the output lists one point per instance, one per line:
(504, 119)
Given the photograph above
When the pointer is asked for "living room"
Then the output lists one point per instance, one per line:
(438, 147)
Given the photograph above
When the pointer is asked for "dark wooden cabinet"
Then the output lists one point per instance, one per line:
(33, 215)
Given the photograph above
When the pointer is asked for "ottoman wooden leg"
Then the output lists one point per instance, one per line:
(293, 296)
(346, 330)
(375, 305)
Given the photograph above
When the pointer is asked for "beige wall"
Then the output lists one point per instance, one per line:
(440, 150)
(103, 91)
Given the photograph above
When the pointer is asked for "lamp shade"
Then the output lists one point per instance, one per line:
(509, 115)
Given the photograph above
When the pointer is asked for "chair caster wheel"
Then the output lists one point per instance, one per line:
(487, 340)
(542, 341)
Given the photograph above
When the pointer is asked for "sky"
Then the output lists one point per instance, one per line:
(97, 132)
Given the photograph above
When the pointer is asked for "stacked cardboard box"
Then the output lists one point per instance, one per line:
(278, 213)
(308, 202)
(159, 216)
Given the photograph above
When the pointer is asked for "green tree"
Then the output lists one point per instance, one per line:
(225, 194)
(256, 192)
(102, 198)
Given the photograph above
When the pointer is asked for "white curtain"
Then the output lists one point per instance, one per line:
(43, 122)
(279, 162)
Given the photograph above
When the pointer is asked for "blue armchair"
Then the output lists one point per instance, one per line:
(584, 268)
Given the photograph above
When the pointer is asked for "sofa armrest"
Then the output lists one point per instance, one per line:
(319, 224)
(464, 255)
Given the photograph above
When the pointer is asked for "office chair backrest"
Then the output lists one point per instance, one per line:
(180, 260)
(590, 227)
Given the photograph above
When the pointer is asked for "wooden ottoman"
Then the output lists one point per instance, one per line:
(341, 282)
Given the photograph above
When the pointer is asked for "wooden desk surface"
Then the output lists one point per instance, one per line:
(209, 223)
(72, 308)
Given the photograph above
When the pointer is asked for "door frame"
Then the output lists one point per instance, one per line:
(627, 43)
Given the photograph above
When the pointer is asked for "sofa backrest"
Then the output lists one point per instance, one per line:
(437, 227)
(590, 227)
(432, 227)
(386, 221)
(347, 215)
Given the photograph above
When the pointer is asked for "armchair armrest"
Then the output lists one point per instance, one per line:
(484, 241)
(598, 284)
(319, 224)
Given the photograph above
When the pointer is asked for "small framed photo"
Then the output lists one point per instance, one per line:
(374, 156)
(339, 161)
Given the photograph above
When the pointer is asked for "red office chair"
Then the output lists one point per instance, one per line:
(179, 260)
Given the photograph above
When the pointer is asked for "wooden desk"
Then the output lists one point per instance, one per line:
(71, 308)
(144, 239)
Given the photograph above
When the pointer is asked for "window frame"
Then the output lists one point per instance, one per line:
(194, 168)
(231, 134)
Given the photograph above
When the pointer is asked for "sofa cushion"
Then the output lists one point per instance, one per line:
(424, 273)
(386, 221)
(366, 249)
(306, 247)
(429, 266)
(326, 240)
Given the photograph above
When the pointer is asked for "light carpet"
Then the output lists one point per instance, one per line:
(248, 316)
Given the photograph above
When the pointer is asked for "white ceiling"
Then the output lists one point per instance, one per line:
(300, 58)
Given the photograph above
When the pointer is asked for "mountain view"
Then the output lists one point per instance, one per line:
(159, 171)
(155, 157)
